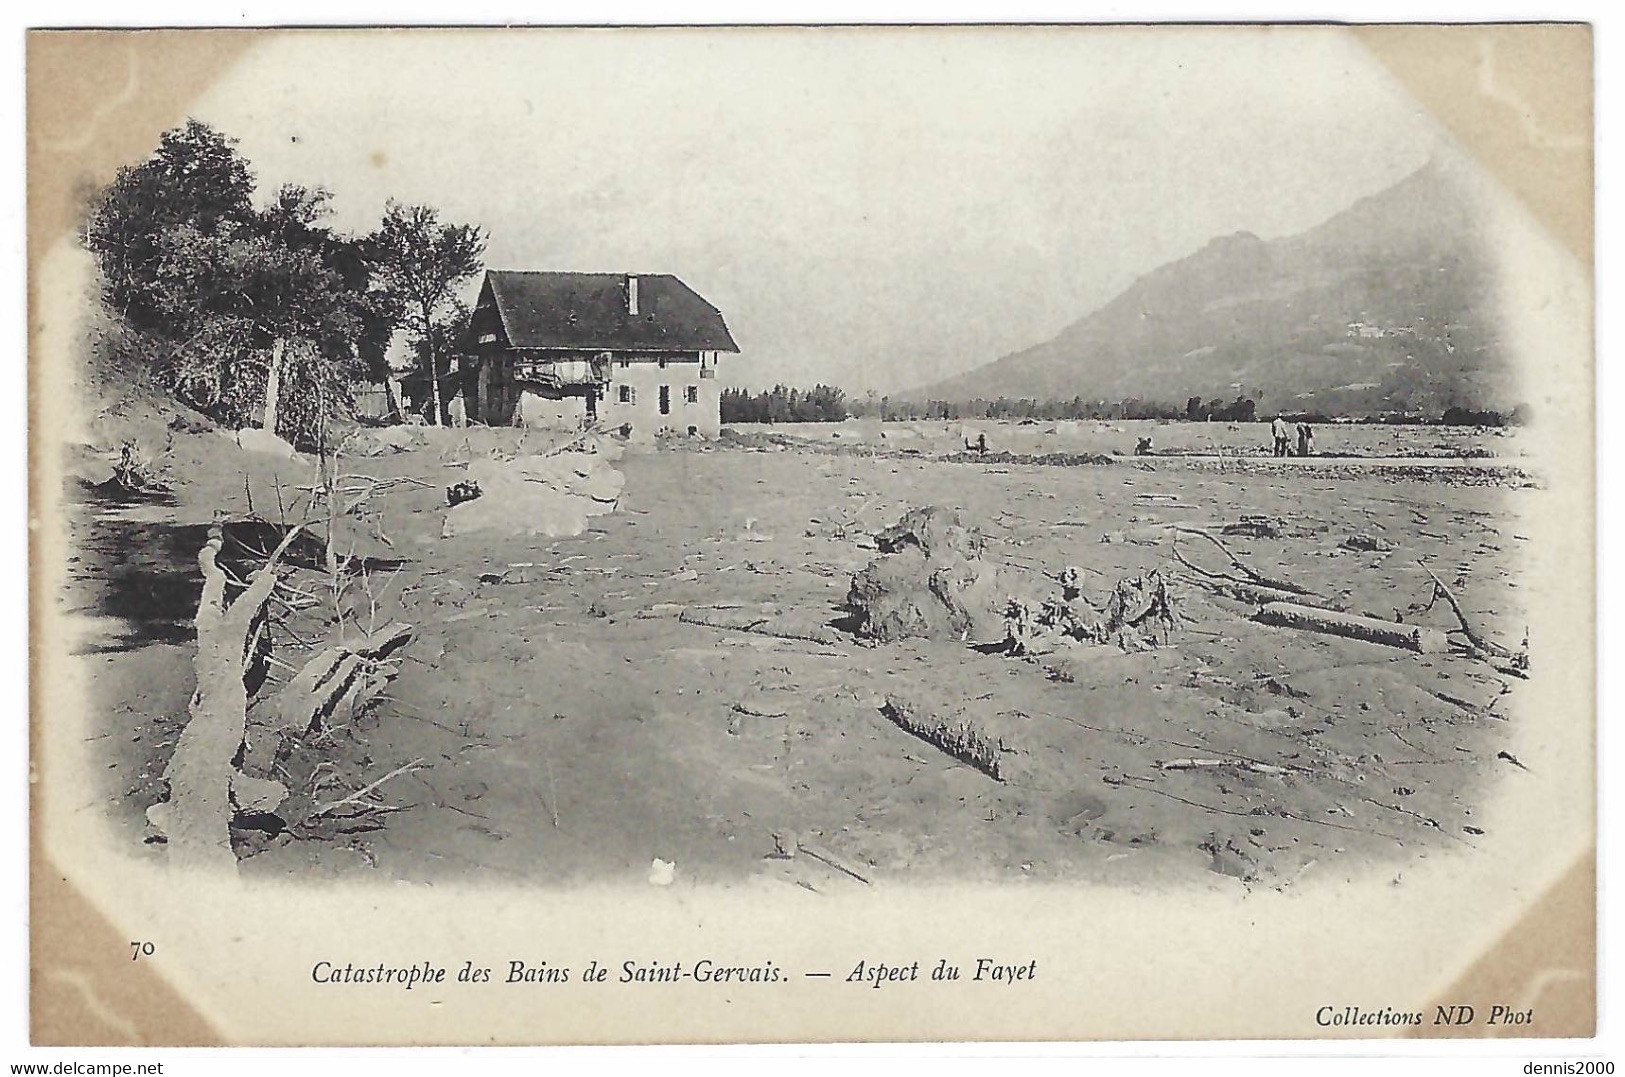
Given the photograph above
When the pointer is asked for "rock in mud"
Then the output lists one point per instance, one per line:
(537, 495)
(930, 582)
(254, 439)
(459, 492)
(258, 795)
(935, 532)
(1367, 544)
(1271, 527)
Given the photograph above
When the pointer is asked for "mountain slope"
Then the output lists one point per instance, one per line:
(1385, 307)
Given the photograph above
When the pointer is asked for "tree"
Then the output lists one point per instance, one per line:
(216, 291)
(195, 177)
(820, 404)
(259, 288)
(420, 263)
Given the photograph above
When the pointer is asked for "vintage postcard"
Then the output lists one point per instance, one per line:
(807, 534)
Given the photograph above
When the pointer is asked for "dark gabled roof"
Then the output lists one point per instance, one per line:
(588, 311)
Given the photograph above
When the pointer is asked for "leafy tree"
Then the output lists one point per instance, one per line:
(239, 285)
(420, 263)
(237, 308)
(195, 177)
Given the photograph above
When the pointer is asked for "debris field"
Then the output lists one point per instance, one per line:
(761, 664)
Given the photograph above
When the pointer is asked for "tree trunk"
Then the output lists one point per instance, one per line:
(273, 385)
(434, 367)
(1351, 626)
(196, 818)
(395, 410)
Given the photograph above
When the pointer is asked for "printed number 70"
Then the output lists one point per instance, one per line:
(139, 950)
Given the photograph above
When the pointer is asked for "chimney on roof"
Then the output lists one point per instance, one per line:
(631, 295)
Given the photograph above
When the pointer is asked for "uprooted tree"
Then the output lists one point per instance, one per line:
(933, 580)
(227, 767)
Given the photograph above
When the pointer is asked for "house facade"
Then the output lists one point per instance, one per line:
(630, 352)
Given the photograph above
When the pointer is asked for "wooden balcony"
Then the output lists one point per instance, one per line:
(562, 373)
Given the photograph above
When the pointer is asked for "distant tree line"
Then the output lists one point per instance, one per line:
(1454, 416)
(824, 403)
(255, 311)
(1240, 410)
(785, 404)
(1019, 408)
(1009, 408)
(1518, 416)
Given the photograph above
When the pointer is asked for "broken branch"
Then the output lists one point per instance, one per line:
(1252, 574)
(1478, 642)
(358, 796)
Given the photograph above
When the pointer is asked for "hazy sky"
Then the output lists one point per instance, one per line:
(874, 208)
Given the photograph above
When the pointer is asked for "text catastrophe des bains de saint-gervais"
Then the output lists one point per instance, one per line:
(865, 972)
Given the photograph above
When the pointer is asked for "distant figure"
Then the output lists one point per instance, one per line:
(1143, 448)
(981, 443)
(1306, 438)
(1278, 429)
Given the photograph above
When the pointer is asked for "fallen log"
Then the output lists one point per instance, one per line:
(1227, 764)
(963, 741)
(1352, 626)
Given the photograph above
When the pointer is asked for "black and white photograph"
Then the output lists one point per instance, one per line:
(814, 530)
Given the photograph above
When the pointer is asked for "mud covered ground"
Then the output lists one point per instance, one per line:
(574, 723)
(1168, 438)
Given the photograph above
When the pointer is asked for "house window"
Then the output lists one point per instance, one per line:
(662, 364)
(628, 395)
(488, 338)
(665, 400)
(625, 363)
(691, 394)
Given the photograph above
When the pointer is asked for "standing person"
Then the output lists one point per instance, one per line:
(1279, 431)
(1306, 438)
